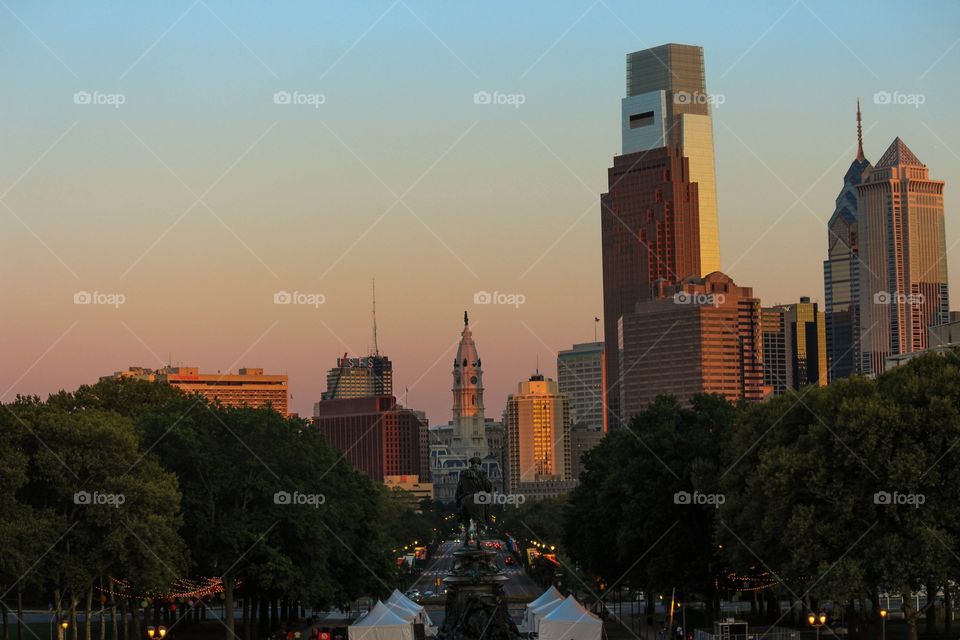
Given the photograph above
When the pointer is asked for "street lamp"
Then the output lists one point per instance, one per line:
(817, 620)
(62, 629)
(883, 623)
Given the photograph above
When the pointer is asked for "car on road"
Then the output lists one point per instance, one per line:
(428, 594)
(413, 594)
(508, 560)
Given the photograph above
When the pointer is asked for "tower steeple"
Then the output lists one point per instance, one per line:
(469, 425)
(859, 134)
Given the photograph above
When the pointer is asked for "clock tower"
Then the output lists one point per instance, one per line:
(469, 425)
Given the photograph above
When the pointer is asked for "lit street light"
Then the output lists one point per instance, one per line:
(883, 623)
(817, 620)
(62, 629)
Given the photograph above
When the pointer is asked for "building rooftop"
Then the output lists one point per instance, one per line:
(897, 154)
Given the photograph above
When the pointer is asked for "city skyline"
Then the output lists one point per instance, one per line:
(94, 200)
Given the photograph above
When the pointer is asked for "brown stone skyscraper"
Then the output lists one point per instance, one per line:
(649, 227)
(903, 257)
(658, 217)
(702, 335)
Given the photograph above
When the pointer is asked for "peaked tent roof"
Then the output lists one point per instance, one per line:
(380, 616)
(898, 153)
(570, 621)
(402, 602)
(549, 595)
(570, 611)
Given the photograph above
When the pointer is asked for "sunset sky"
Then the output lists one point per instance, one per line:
(144, 155)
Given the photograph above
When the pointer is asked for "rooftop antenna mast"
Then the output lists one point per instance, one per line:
(376, 348)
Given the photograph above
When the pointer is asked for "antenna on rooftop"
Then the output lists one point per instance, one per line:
(376, 348)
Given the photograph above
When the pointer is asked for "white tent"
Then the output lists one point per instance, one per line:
(536, 615)
(547, 596)
(570, 621)
(381, 624)
(400, 602)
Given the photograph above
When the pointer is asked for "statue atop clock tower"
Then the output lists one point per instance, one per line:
(469, 428)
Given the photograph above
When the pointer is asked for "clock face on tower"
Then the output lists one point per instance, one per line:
(473, 379)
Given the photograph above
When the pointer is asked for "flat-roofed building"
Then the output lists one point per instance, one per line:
(249, 387)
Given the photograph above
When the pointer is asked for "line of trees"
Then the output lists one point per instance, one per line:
(113, 493)
(825, 497)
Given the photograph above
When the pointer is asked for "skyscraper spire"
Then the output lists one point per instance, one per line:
(376, 348)
(859, 134)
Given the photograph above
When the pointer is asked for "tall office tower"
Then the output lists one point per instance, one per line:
(667, 105)
(649, 230)
(580, 378)
(699, 336)
(538, 440)
(841, 271)
(659, 215)
(359, 378)
(469, 428)
(248, 387)
(903, 258)
(794, 346)
(376, 436)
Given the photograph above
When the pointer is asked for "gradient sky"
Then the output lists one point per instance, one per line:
(199, 197)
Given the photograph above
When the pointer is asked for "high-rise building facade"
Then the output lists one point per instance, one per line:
(580, 378)
(700, 336)
(667, 105)
(538, 440)
(249, 387)
(903, 261)
(359, 378)
(659, 215)
(794, 346)
(376, 436)
(649, 230)
(841, 271)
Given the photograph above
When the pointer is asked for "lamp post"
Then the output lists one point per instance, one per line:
(62, 629)
(156, 633)
(817, 620)
(883, 624)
